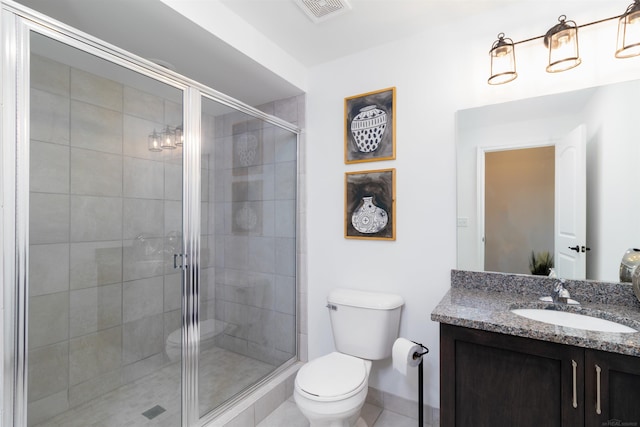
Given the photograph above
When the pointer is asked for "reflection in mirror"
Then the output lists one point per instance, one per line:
(612, 155)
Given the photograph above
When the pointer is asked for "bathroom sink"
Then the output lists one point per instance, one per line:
(572, 320)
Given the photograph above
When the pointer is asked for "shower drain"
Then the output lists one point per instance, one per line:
(153, 412)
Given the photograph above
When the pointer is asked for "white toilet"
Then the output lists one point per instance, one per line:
(331, 389)
(209, 329)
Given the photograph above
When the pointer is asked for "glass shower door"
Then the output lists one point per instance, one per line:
(248, 252)
(105, 220)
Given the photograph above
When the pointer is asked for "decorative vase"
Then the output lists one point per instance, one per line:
(635, 281)
(369, 218)
(368, 127)
(630, 260)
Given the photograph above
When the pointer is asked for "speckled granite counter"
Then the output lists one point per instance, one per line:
(485, 300)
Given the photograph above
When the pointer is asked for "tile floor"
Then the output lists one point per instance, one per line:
(289, 415)
(227, 373)
(231, 373)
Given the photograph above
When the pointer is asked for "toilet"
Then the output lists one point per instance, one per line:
(209, 329)
(330, 390)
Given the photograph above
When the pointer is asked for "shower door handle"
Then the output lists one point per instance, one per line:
(175, 261)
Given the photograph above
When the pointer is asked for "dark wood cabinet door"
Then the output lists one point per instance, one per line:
(616, 401)
(490, 379)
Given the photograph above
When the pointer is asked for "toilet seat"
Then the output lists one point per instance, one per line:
(333, 377)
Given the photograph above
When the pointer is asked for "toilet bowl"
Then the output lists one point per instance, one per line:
(330, 390)
(208, 331)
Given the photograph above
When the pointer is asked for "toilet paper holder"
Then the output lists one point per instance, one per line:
(417, 356)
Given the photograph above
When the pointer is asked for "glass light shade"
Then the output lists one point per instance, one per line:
(168, 139)
(628, 43)
(153, 142)
(503, 61)
(562, 41)
(179, 136)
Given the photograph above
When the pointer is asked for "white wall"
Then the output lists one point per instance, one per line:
(435, 75)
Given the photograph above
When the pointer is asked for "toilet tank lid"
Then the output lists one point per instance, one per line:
(365, 299)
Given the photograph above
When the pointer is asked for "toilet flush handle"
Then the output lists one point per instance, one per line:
(332, 307)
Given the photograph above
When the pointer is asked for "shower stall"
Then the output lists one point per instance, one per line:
(149, 237)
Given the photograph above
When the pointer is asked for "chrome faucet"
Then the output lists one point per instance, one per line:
(560, 293)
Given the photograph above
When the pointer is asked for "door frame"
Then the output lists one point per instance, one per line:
(481, 152)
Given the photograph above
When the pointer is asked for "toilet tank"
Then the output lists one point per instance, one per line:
(365, 324)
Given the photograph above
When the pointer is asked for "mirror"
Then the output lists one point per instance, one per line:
(612, 146)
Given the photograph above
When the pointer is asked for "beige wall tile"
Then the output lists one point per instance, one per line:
(49, 218)
(94, 173)
(95, 263)
(48, 269)
(96, 128)
(95, 218)
(49, 168)
(49, 121)
(96, 90)
(48, 319)
(95, 354)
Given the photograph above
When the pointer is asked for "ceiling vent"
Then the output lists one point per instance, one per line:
(321, 10)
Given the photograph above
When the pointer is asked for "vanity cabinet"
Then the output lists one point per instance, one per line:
(491, 379)
(612, 392)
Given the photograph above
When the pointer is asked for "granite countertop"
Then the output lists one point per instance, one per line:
(484, 301)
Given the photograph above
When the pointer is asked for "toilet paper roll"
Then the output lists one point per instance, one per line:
(402, 355)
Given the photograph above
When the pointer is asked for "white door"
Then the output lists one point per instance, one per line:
(570, 205)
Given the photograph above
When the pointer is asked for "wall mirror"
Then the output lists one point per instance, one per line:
(530, 216)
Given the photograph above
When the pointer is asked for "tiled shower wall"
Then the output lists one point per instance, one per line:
(104, 216)
(254, 205)
(105, 220)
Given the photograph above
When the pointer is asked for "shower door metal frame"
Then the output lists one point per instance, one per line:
(15, 144)
(16, 24)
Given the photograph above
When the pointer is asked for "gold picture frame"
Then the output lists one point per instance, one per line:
(370, 126)
(370, 204)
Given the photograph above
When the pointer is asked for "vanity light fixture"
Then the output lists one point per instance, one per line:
(168, 139)
(179, 135)
(562, 42)
(154, 141)
(503, 61)
(628, 43)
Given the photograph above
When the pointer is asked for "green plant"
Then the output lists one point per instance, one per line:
(540, 263)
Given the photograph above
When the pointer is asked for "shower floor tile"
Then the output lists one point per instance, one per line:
(222, 375)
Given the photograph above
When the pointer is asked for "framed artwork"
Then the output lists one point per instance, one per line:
(370, 205)
(370, 126)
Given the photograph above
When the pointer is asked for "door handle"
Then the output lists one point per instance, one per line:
(584, 249)
(575, 248)
(598, 408)
(574, 400)
(183, 258)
